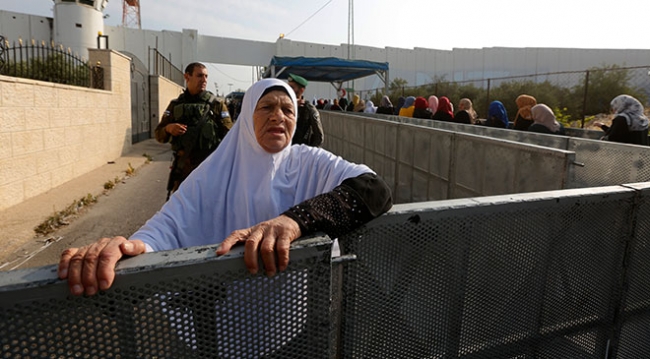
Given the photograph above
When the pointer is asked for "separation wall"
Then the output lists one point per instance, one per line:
(51, 133)
(422, 164)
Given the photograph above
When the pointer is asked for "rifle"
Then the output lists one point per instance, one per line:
(174, 175)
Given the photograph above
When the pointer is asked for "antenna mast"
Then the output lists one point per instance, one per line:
(131, 14)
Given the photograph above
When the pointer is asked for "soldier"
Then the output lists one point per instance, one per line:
(194, 123)
(309, 130)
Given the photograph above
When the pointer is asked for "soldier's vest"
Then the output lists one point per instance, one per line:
(202, 132)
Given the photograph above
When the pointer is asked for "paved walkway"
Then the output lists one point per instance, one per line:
(17, 223)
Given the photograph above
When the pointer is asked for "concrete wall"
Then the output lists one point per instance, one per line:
(52, 133)
(598, 163)
(425, 164)
(162, 92)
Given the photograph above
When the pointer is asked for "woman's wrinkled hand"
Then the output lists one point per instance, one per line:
(271, 239)
(92, 267)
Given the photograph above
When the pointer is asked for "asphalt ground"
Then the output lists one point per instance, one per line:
(118, 211)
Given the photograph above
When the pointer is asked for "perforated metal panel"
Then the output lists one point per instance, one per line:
(179, 304)
(609, 163)
(635, 318)
(533, 276)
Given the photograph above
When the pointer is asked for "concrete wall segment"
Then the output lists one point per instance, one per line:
(64, 132)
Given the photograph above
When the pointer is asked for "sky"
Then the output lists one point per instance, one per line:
(390, 23)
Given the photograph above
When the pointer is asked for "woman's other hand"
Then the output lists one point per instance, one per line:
(271, 239)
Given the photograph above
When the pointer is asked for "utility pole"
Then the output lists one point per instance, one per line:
(350, 32)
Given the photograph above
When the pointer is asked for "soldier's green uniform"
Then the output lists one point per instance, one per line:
(207, 120)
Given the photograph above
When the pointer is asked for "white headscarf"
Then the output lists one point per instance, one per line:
(630, 108)
(240, 184)
(370, 107)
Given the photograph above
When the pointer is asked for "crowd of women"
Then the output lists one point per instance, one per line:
(629, 124)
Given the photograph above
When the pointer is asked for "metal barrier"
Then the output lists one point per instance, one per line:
(561, 274)
(547, 275)
(179, 304)
(599, 163)
(422, 164)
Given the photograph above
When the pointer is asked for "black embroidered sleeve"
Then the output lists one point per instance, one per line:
(353, 203)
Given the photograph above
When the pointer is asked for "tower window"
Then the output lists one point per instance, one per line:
(77, 25)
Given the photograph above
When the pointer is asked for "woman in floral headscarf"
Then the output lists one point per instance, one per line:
(630, 125)
(523, 118)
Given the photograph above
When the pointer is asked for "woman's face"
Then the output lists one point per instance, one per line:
(274, 120)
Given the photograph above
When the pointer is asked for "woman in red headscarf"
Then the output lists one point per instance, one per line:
(422, 109)
(445, 111)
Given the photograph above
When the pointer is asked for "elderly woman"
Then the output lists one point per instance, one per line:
(630, 125)
(544, 121)
(256, 188)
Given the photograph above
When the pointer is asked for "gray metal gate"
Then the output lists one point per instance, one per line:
(141, 125)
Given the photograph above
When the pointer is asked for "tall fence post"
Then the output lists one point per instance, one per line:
(584, 100)
(487, 98)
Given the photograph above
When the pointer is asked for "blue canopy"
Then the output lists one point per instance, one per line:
(325, 69)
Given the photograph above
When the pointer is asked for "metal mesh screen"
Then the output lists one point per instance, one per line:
(535, 276)
(197, 306)
(608, 163)
(635, 318)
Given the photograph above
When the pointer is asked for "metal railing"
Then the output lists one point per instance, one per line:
(159, 65)
(48, 62)
(574, 95)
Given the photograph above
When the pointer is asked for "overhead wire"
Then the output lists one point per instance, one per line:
(309, 18)
(225, 74)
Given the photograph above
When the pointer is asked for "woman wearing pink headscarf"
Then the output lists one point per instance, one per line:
(433, 104)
